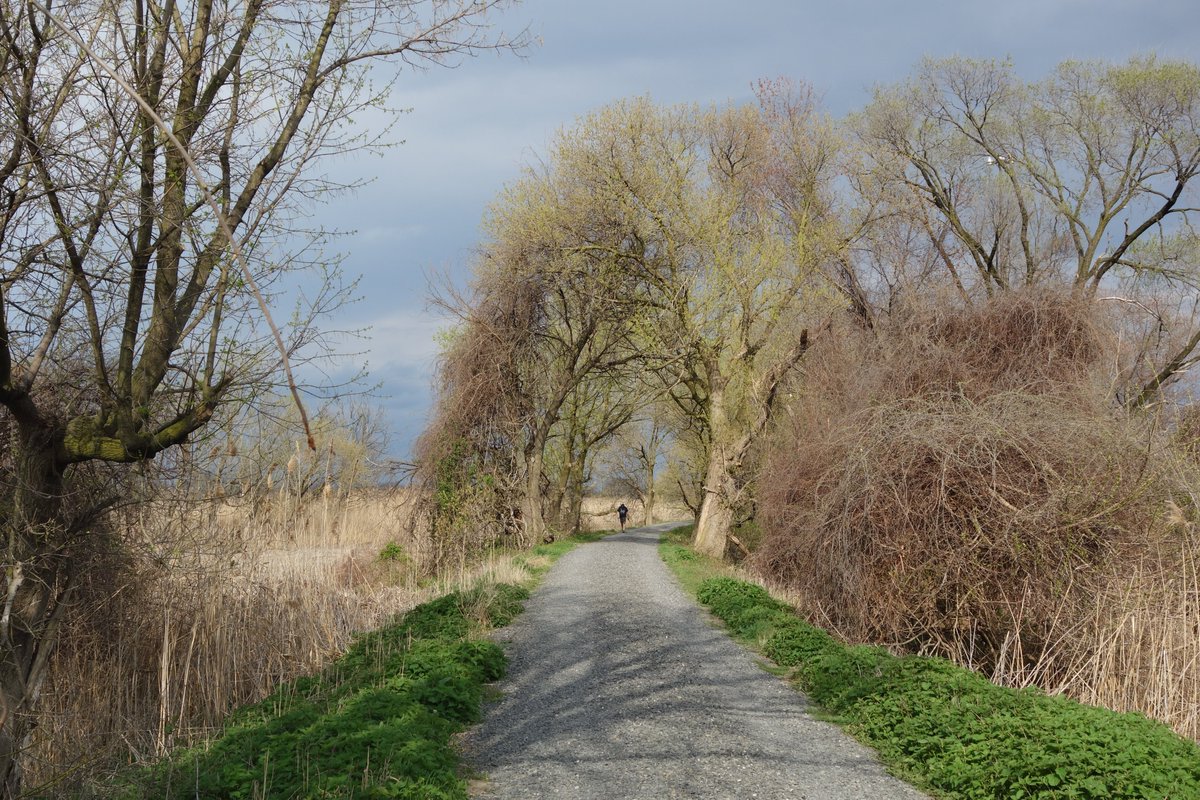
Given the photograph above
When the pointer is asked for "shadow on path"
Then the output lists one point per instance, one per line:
(619, 686)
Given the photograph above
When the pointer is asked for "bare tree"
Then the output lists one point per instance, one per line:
(633, 461)
(123, 323)
(1086, 178)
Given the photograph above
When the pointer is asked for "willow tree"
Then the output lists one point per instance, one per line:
(124, 324)
(1085, 178)
(722, 219)
(545, 321)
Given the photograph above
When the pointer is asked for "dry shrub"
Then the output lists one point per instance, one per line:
(913, 521)
(959, 482)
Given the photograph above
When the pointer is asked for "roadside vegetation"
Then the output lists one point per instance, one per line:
(944, 727)
(376, 722)
(924, 368)
(219, 599)
(163, 165)
(962, 485)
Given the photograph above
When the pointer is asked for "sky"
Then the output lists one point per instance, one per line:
(471, 129)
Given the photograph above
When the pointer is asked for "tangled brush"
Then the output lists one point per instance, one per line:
(957, 481)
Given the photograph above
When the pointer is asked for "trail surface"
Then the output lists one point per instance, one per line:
(621, 688)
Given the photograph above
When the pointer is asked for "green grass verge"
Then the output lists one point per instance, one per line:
(946, 728)
(377, 723)
(539, 559)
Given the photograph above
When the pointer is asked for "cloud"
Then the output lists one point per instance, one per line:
(399, 348)
(405, 340)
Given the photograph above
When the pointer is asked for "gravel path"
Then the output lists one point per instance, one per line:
(621, 688)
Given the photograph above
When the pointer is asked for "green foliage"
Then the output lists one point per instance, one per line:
(747, 609)
(392, 552)
(691, 567)
(376, 724)
(680, 535)
(955, 732)
(678, 553)
(496, 604)
(451, 473)
(559, 547)
(793, 641)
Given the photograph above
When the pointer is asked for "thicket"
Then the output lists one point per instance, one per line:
(192, 607)
(376, 723)
(961, 481)
(950, 729)
(468, 466)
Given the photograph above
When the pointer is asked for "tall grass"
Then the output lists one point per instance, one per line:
(1134, 647)
(204, 606)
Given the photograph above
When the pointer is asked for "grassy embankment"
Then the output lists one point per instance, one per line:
(945, 728)
(377, 722)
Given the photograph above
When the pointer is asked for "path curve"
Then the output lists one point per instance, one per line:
(620, 687)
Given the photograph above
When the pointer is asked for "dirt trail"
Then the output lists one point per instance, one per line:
(621, 687)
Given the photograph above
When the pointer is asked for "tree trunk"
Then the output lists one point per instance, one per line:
(716, 511)
(535, 521)
(35, 590)
(651, 463)
(576, 512)
(557, 501)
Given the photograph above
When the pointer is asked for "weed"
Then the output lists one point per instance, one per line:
(393, 552)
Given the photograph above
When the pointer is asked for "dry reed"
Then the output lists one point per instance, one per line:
(209, 605)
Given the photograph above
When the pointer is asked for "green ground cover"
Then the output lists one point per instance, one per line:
(945, 728)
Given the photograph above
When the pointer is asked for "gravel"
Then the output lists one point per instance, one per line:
(620, 686)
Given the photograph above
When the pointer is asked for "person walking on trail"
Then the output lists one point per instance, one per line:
(622, 512)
